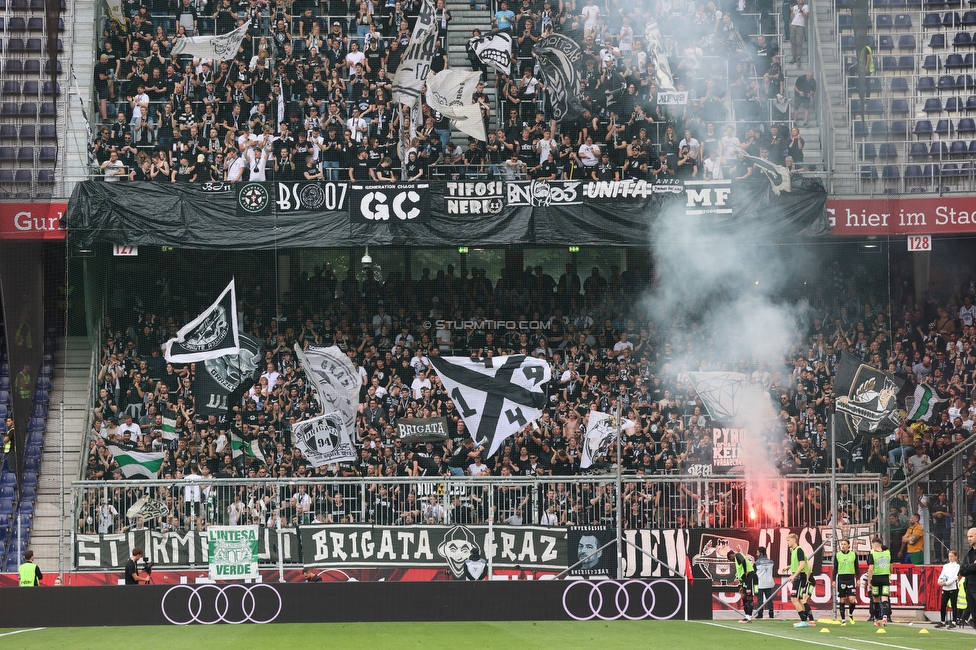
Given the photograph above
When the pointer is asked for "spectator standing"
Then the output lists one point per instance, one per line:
(914, 537)
(798, 26)
(803, 92)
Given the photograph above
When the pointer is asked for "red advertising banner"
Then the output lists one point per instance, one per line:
(903, 215)
(32, 220)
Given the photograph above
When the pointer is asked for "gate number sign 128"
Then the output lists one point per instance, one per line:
(919, 243)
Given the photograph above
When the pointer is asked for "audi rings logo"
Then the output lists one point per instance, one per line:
(634, 600)
(232, 603)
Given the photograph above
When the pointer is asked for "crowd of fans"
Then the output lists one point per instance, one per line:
(600, 359)
(310, 90)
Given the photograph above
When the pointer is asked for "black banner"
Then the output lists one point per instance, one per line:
(422, 429)
(179, 548)
(22, 283)
(221, 376)
(618, 213)
(867, 399)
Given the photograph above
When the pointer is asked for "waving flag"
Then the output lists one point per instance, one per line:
(601, 433)
(415, 62)
(240, 447)
(497, 396)
(219, 48)
(335, 379)
(449, 92)
(925, 402)
(137, 464)
(866, 397)
(495, 50)
(558, 57)
(210, 335)
(323, 440)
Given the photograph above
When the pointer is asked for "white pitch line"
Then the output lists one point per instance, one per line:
(890, 645)
(778, 636)
(34, 629)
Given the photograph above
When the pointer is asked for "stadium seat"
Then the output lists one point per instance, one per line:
(923, 127)
(867, 151)
(903, 21)
(913, 171)
(926, 84)
(969, 18)
(48, 154)
(28, 109)
(10, 88)
(953, 104)
(32, 66)
(958, 148)
(947, 82)
(23, 176)
(938, 41)
(869, 172)
(25, 154)
(972, 147)
(951, 19)
(860, 129)
(933, 104)
(906, 63)
(898, 85)
(47, 132)
(8, 132)
(938, 149)
(887, 63)
(966, 125)
(961, 39)
(943, 127)
(906, 42)
(846, 42)
(899, 107)
(890, 171)
(845, 22)
(930, 21)
(888, 151)
(879, 128)
(918, 150)
(931, 62)
(883, 21)
(886, 43)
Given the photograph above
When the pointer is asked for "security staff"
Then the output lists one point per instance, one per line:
(23, 383)
(764, 581)
(845, 568)
(30, 573)
(745, 572)
(967, 585)
(879, 576)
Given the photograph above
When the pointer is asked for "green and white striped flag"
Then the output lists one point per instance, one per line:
(248, 448)
(925, 401)
(137, 464)
(169, 423)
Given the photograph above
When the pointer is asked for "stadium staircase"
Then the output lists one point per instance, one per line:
(463, 20)
(72, 383)
(81, 68)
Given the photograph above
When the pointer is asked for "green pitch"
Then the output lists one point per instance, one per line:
(726, 635)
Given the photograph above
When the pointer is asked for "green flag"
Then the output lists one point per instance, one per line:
(137, 464)
(169, 423)
(248, 448)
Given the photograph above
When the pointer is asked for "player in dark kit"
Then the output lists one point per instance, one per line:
(845, 568)
(745, 571)
(879, 575)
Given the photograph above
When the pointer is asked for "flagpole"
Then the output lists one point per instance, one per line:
(620, 550)
(833, 494)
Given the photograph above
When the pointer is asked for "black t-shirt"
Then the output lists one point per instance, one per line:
(130, 572)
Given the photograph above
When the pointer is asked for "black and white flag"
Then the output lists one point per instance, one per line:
(450, 93)
(558, 57)
(779, 176)
(335, 380)
(415, 61)
(225, 374)
(494, 50)
(497, 396)
(867, 399)
(323, 440)
(601, 434)
(148, 508)
(220, 48)
(657, 55)
(210, 335)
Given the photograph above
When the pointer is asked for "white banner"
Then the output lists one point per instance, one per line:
(115, 12)
(335, 379)
(415, 62)
(323, 440)
(220, 48)
(672, 98)
(497, 396)
(449, 92)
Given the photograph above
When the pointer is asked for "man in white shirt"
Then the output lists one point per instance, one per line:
(713, 167)
(694, 147)
(419, 383)
(271, 375)
(235, 167)
(621, 345)
(590, 15)
(589, 153)
(357, 125)
(798, 27)
(130, 427)
(353, 57)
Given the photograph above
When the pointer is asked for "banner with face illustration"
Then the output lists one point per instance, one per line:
(210, 335)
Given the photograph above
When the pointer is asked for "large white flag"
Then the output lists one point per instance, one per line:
(497, 396)
(494, 49)
(449, 92)
(323, 440)
(601, 433)
(335, 379)
(210, 335)
(115, 11)
(415, 61)
(220, 48)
